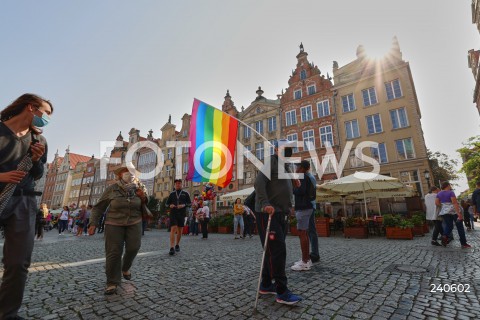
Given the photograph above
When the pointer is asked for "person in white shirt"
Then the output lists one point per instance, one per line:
(63, 220)
(203, 215)
(432, 214)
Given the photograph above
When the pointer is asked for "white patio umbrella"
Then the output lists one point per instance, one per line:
(242, 194)
(361, 182)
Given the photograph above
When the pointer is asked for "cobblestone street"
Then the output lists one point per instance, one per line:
(371, 278)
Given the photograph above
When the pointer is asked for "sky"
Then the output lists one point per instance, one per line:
(111, 65)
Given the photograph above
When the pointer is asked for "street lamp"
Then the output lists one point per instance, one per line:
(427, 176)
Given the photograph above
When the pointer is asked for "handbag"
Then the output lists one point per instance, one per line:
(447, 208)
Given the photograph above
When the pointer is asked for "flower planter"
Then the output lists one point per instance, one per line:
(360, 232)
(399, 233)
(418, 231)
(294, 231)
(323, 227)
(225, 230)
(212, 229)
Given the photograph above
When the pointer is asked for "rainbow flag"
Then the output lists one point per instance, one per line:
(213, 138)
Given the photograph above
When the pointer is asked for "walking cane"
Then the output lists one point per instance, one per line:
(263, 257)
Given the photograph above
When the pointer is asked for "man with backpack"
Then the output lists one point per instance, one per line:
(304, 195)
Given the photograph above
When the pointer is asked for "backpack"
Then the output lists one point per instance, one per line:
(250, 201)
(311, 193)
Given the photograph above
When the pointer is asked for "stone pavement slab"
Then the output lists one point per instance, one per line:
(371, 278)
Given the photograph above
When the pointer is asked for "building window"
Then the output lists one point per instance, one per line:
(379, 153)
(247, 132)
(303, 75)
(326, 136)
(369, 96)
(306, 113)
(351, 128)
(374, 124)
(185, 167)
(170, 154)
(405, 149)
(411, 179)
(293, 137)
(399, 118)
(393, 89)
(323, 108)
(259, 150)
(272, 146)
(331, 163)
(259, 126)
(348, 103)
(272, 124)
(291, 118)
(311, 89)
(354, 160)
(297, 94)
(308, 140)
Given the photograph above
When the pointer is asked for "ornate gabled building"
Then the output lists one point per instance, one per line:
(264, 116)
(308, 115)
(51, 179)
(376, 101)
(164, 181)
(88, 178)
(146, 162)
(118, 153)
(63, 181)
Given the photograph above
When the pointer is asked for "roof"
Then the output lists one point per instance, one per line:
(76, 158)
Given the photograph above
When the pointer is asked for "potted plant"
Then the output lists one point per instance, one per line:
(418, 222)
(355, 228)
(225, 224)
(322, 224)
(397, 228)
(293, 227)
(213, 225)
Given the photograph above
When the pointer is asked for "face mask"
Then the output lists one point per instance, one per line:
(40, 122)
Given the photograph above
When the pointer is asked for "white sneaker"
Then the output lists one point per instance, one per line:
(309, 262)
(302, 266)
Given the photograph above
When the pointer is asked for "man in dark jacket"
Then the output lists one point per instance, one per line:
(274, 197)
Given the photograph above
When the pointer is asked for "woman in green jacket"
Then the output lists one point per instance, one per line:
(123, 225)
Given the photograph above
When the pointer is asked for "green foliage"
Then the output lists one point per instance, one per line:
(404, 224)
(354, 222)
(293, 222)
(417, 220)
(390, 220)
(443, 168)
(318, 214)
(213, 222)
(470, 154)
(225, 220)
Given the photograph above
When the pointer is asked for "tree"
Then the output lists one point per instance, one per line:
(443, 168)
(470, 154)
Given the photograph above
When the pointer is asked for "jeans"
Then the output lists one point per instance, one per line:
(17, 253)
(204, 225)
(313, 236)
(194, 227)
(472, 222)
(437, 229)
(248, 225)
(62, 225)
(448, 220)
(236, 220)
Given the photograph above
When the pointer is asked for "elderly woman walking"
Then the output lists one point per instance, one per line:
(123, 225)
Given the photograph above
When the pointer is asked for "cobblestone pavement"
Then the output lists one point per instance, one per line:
(371, 278)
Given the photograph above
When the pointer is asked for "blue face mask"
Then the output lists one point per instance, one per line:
(40, 122)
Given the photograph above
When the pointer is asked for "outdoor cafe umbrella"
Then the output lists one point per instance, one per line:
(361, 182)
(242, 194)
